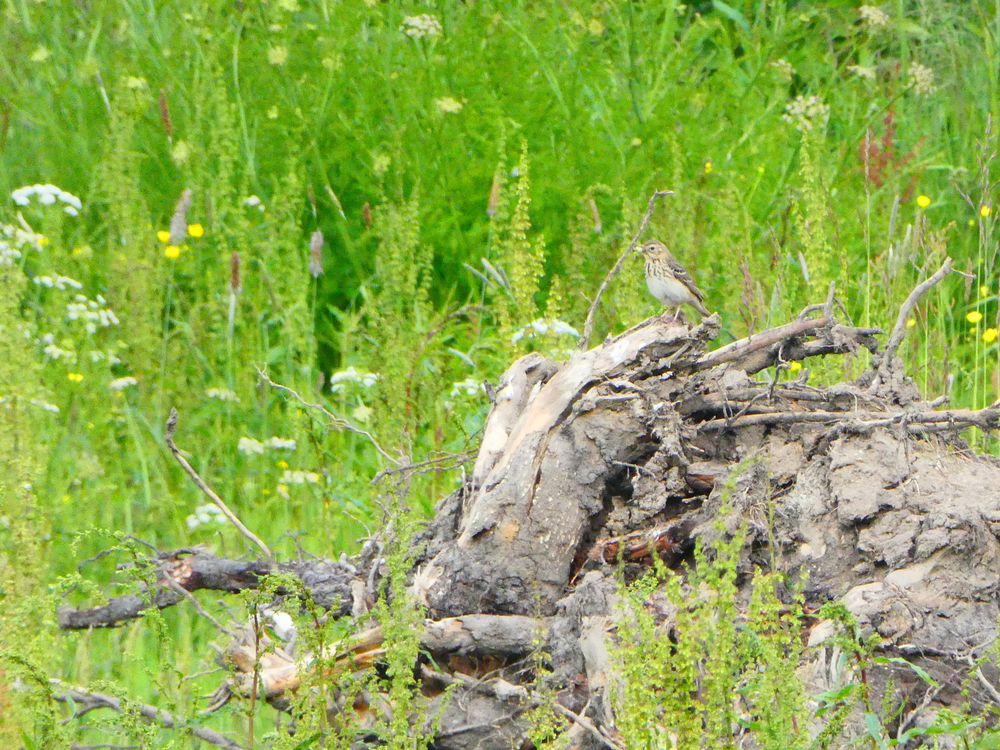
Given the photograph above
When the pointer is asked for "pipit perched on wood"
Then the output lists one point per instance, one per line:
(667, 280)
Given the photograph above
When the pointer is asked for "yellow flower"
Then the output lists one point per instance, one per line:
(990, 335)
(984, 291)
(984, 210)
(708, 167)
(81, 250)
(795, 366)
(923, 201)
(972, 222)
(43, 241)
(196, 230)
(974, 317)
(282, 464)
(910, 322)
(172, 252)
(163, 236)
(74, 377)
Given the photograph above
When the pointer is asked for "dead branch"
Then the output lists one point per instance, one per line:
(327, 582)
(954, 420)
(588, 326)
(209, 492)
(899, 330)
(89, 700)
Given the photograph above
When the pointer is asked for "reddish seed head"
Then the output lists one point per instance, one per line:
(235, 283)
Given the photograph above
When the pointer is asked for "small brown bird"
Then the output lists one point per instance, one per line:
(667, 280)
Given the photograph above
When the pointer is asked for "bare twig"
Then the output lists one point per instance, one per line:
(153, 715)
(209, 492)
(588, 326)
(587, 724)
(335, 421)
(171, 583)
(899, 330)
(431, 464)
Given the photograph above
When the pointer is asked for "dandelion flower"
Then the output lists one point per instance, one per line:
(196, 230)
(990, 335)
(282, 464)
(163, 236)
(74, 377)
(708, 167)
(974, 317)
(985, 210)
(173, 252)
(911, 322)
(923, 201)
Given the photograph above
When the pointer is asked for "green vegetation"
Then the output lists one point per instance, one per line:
(475, 168)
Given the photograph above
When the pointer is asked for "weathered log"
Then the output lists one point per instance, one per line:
(622, 452)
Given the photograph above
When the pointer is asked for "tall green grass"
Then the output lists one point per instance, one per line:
(469, 178)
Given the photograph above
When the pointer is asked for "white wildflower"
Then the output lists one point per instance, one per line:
(47, 195)
(542, 327)
(468, 387)
(250, 447)
(203, 515)
(448, 105)
(282, 444)
(254, 202)
(862, 72)
(921, 79)
(292, 476)
(277, 55)
(120, 384)
(806, 112)
(55, 352)
(222, 394)
(421, 27)
(57, 282)
(93, 313)
(340, 380)
(873, 17)
(783, 69)
(45, 406)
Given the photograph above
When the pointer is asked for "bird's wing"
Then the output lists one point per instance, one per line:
(685, 278)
